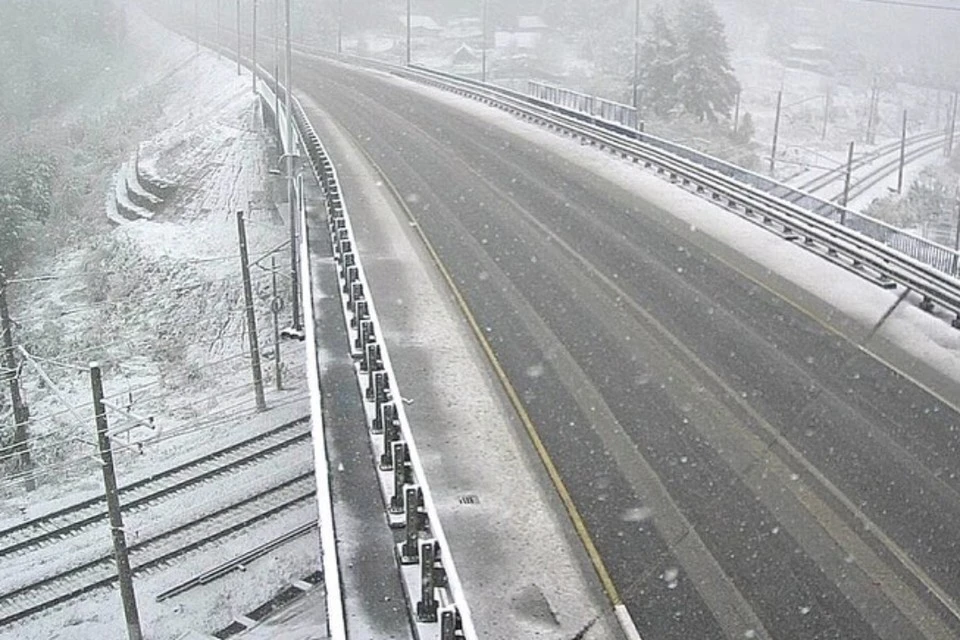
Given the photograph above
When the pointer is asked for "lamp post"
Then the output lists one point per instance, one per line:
(636, 54)
(339, 27)
(291, 195)
(254, 52)
(483, 40)
(408, 32)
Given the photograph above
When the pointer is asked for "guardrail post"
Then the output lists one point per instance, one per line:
(412, 501)
(427, 607)
(376, 425)
(356, 293)
(381, 385)
(355, 301)
(391, 434)
(449, 623)
(363, 336)
(401, 475)
(360, 313)
(372, 382)
(351, 273)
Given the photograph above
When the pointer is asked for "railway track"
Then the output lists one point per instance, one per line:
(160, 550)
(58, 525)
(888, 168)
(921, 143)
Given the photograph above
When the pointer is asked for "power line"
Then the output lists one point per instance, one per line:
(913, 5)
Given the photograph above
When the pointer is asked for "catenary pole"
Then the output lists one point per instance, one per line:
(736, 112)
(339, 27)
(21, 412)
(254, 45)
(251, 315)
(903, 153)
(846, 182)
(483, 40)
(124, 573)
(291, 192)
(275, 307)
(408, 31)
(635, 102)
(776, 134)
(239, 70)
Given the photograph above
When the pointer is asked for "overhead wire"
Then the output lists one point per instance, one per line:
(912, 4)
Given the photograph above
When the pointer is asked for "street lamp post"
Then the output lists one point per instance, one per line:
(239, 70)
(339, 27)
(254, 52)
(291, 196)
(483, 40)
(408, 32)
(636, 54)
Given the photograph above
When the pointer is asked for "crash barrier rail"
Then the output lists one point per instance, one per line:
(336, 620)
(433, 586)
(622, 119)
(843, 245)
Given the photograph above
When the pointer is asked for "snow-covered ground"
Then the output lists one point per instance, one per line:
(159, 304)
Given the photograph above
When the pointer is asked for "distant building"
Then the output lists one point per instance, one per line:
(533, 24)
(465, 56)
(463, 30)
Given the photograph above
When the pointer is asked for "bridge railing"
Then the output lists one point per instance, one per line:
(622, 119)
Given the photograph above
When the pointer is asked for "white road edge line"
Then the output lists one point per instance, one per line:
(453, 578)
(626, 622)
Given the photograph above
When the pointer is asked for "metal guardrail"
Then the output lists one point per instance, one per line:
(430, 578)
(621, 119)
(884, 263)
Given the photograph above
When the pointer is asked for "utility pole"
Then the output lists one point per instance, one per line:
(872, 111)
(776, 134)
(736, 113)
(408, 32)
(846, 182)
(483, 40)
(251, 315)
(827, 99)
(276, 61)
(196, 22)
(636, 55)
(339, 27)
(239, 70)
(956, 237)
(291, 192)
(254, 53)
(124, 573)
(21, 412)
(276, 306)
(903, 152)
(953, 124)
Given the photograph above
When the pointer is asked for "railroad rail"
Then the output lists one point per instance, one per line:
(62, 586)
(877, 174)
(917, 146)
(58, 525)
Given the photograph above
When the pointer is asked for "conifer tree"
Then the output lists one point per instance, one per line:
(705, 83)
(659, 56)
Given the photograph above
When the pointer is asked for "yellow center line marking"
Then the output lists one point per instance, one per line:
(578, 523)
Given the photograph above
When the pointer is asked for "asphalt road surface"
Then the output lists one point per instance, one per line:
(744, 471)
